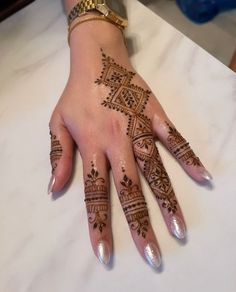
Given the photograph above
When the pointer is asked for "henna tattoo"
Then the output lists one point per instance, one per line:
(124, 96)
(180, 147)
(134, 206)
(96, 199)
(131, 100)
(56, 151)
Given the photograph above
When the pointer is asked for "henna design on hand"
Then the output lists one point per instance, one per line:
(134, 206)
(180, 147)
(131, 100)
(96, 199)
(56, 151)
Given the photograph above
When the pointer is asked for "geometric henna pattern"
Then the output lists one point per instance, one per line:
(131, 100)
(96, 199)
(124, 96)
(56, 151)
(180, 147)
(134, 206)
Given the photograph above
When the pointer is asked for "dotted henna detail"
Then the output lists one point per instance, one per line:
(180, 147)
(131, 100)
(96, 199)
(124, 96)
(134, 206)
(56, 151)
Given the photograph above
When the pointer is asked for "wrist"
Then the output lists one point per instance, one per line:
(89, 38)
(93, 26)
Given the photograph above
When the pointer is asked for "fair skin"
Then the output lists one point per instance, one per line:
(101, 139)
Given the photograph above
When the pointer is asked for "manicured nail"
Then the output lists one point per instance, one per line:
(205, 174)
(51, 184)
(103, 252)
(152, 255)
(178, 227)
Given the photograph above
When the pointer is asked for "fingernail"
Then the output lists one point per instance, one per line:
(205, 174)
(103, 252)
(152, 255)
(51, 184)
(177, 227)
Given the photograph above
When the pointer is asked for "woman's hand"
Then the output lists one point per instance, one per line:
(109, 112)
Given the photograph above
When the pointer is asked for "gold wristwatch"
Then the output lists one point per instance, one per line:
(102, 6)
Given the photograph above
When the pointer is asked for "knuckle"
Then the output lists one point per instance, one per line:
(115, 128)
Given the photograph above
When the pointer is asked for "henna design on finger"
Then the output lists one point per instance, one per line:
(96, 199)
(180, 147)
(134, 206)
(131, 100)
(56, 151)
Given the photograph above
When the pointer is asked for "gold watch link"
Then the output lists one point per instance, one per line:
(96, 5)
(81, 8)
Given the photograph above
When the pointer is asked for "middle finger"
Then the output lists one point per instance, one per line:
(150, 162)
(134, 204)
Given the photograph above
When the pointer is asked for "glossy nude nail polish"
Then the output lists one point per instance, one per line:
(152, 255)
(178, 227)
(206, 174)
(51, 184)
(103, 252)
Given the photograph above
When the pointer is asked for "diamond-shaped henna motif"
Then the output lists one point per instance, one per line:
(116, 77)
(128, 98)
(131, 100)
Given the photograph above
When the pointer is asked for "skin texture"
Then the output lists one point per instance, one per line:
(110, 114)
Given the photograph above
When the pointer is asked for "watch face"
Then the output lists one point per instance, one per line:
(118, 7)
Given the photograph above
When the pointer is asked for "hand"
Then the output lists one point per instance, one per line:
(109, 112)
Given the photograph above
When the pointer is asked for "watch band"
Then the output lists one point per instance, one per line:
(82, 7)
(98, 5)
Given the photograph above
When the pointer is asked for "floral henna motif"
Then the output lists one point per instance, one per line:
(180, 147)
(134, 206)
(131, 100)
(96, 199)
(56, 151)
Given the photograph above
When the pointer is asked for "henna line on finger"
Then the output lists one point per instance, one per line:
(180, 147)
(56, 151)
(96, 199)
(131, 100)
(134, 206)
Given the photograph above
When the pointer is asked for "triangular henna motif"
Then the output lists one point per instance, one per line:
(131, 100)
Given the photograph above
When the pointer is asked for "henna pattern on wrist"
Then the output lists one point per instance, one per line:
(96, 199)
(56, 151)
(134, 206)
(131, 100)
(180, 147)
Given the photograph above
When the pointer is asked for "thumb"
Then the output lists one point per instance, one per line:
(61, 155)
